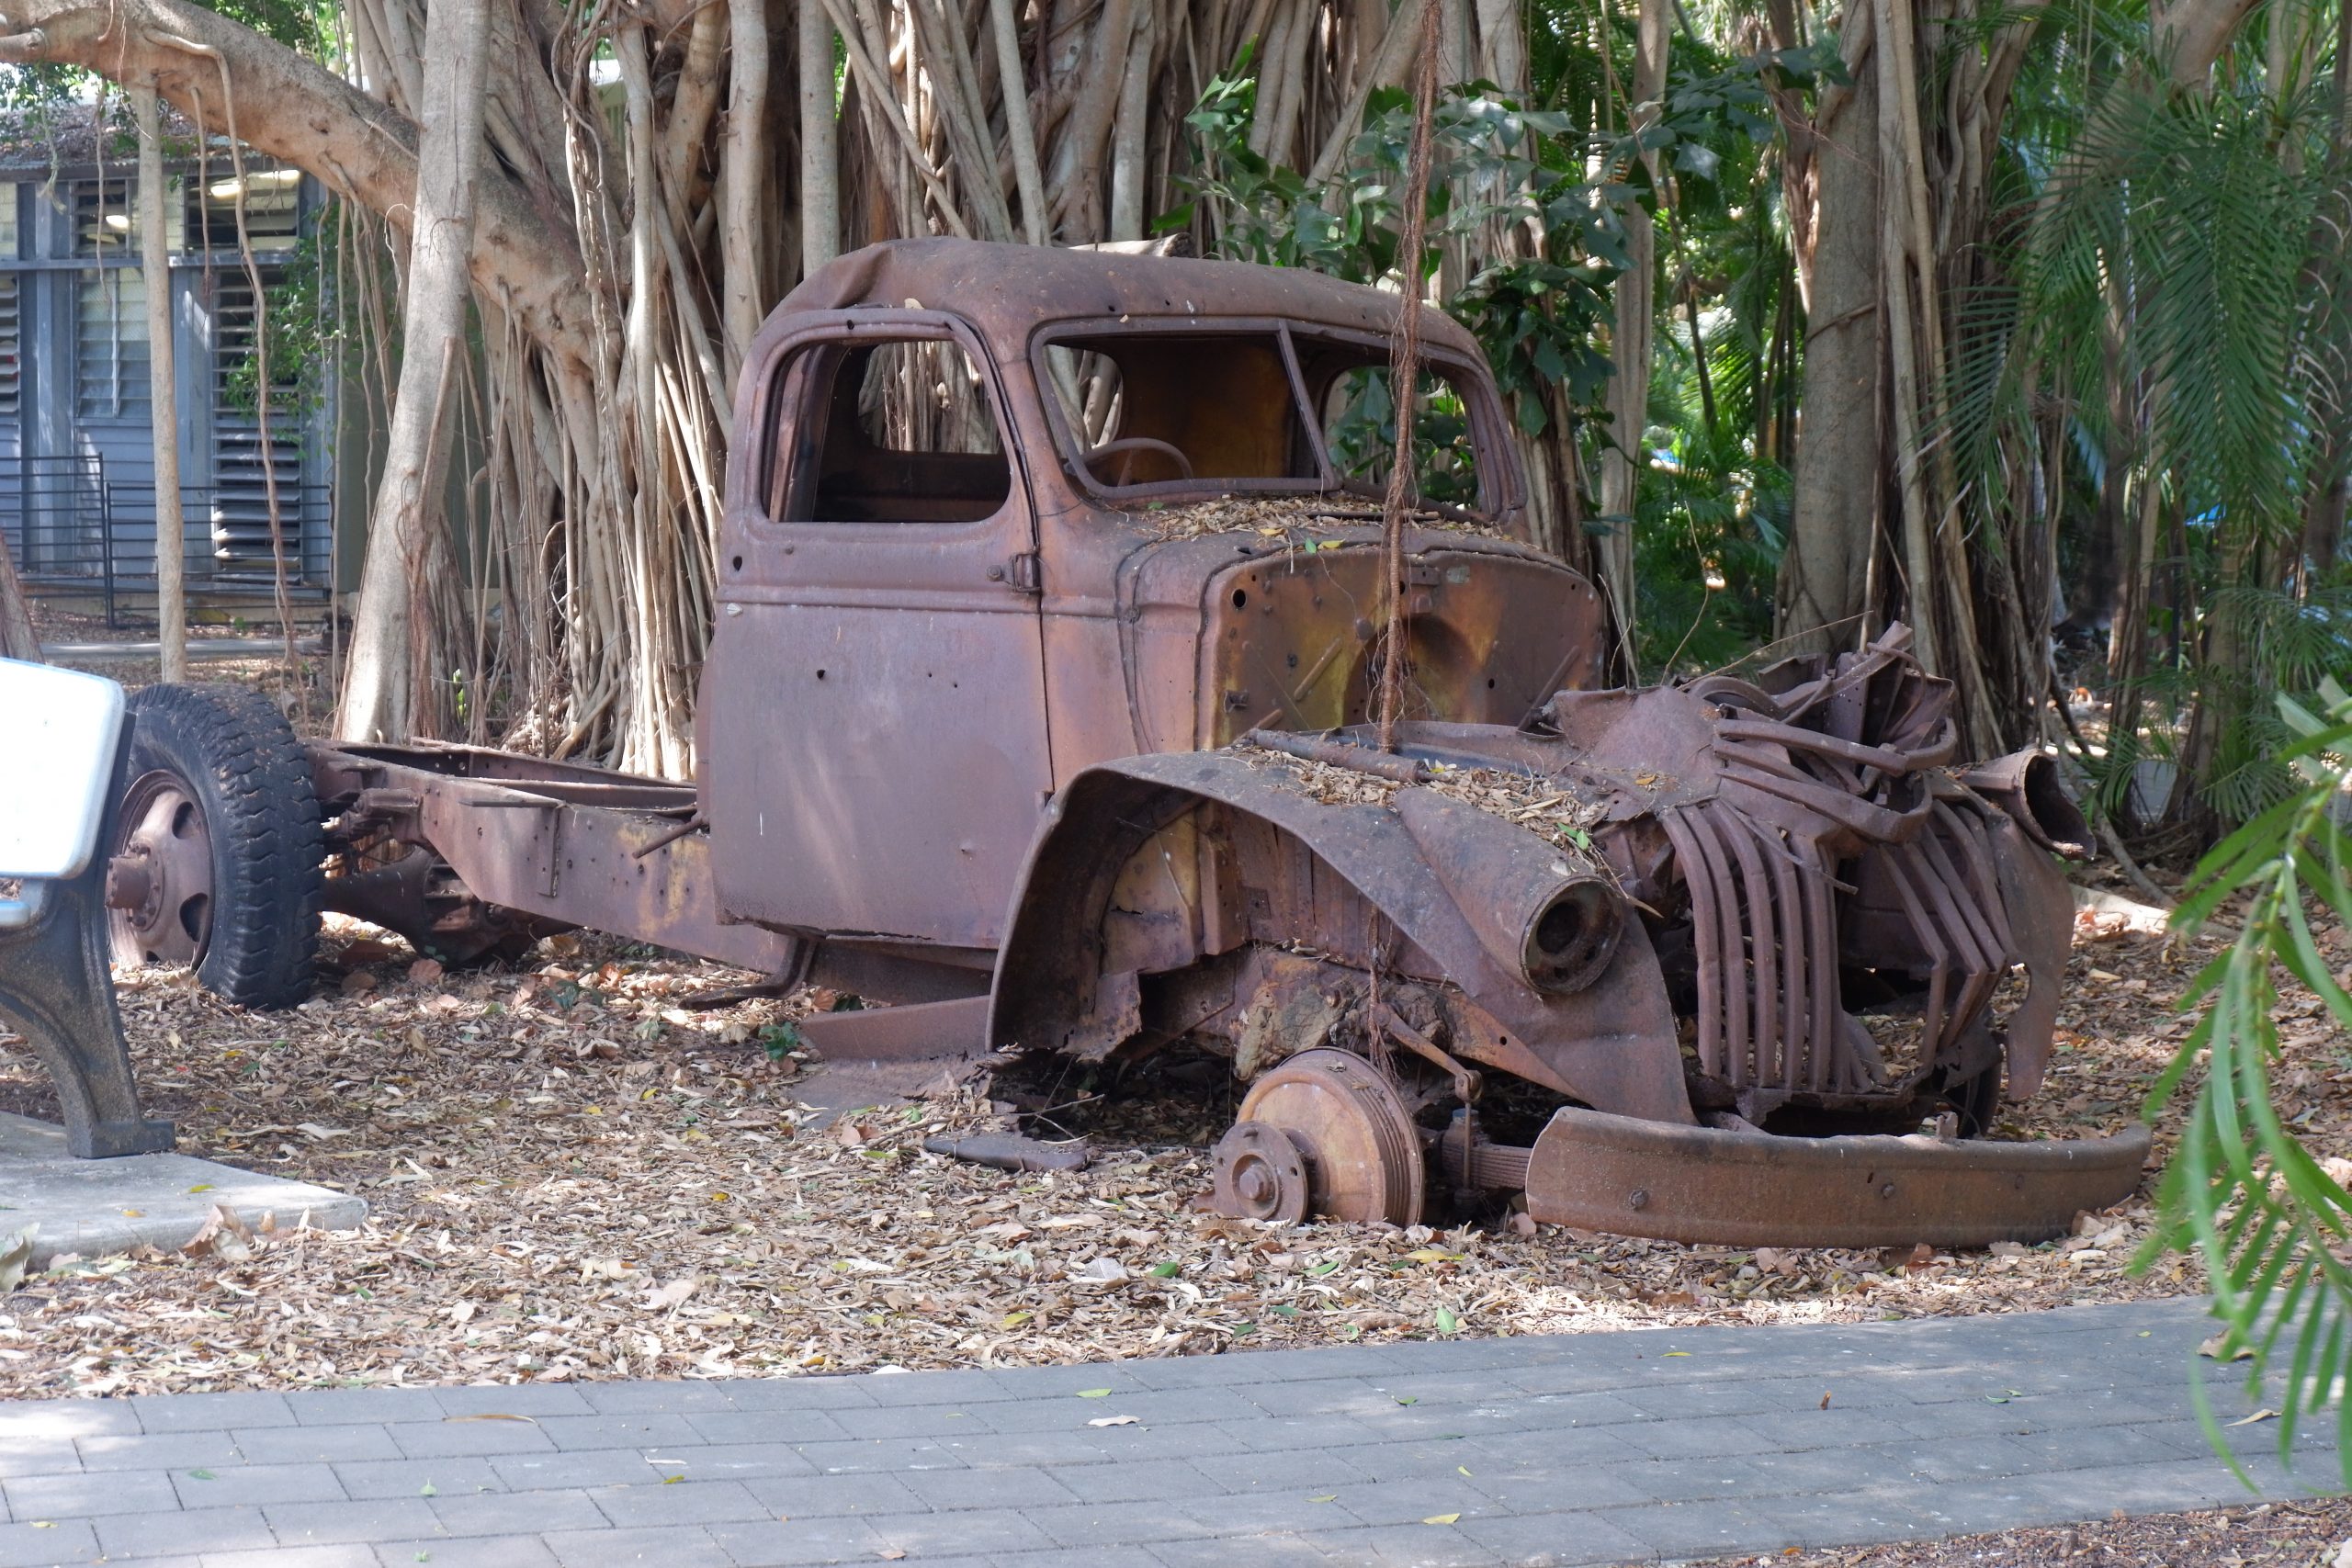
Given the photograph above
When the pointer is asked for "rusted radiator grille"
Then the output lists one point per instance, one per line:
(1764, 917)
(1764, 926)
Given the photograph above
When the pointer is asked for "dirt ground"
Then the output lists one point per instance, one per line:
(2314, 1534)
(2293, 1535)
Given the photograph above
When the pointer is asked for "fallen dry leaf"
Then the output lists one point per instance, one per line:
(15, 1253)
(672, 1295)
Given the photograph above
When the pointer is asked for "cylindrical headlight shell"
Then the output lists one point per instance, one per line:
(1571, 937)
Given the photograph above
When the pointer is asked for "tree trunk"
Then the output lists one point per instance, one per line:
(2189, 34)
(1012, 86)
(17, 639)
(1631, 343)
(298, 111)
(155, 264)
(408, 528)
(1834, 523)
(748, 191)
(820, 191)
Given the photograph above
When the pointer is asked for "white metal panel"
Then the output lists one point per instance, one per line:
(62, 727)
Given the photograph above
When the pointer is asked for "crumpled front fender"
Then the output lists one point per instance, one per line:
(1611, 1045)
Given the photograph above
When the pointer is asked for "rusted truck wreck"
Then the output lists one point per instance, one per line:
(1050, 611)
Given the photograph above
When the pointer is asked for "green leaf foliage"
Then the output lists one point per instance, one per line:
(2242, 1191)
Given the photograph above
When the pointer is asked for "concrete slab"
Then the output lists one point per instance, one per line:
(94, 1207)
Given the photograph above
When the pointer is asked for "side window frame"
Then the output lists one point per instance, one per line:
(785, 410)
(1488, 422)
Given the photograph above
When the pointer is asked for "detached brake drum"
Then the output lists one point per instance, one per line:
(1340, 1116)
(1259, 1174)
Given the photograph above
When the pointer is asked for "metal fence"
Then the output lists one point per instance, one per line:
(76, 532)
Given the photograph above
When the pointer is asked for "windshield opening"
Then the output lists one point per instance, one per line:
(1153, 408)
(1148, 415)
(1358, 416)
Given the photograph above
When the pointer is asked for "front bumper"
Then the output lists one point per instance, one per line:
(1633, 1177)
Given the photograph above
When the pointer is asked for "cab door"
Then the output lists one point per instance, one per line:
(873, 713)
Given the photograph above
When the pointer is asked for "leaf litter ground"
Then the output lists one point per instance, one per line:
(572, 1177)
(2264, 1535)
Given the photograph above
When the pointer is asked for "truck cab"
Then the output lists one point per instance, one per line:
(1000, 515)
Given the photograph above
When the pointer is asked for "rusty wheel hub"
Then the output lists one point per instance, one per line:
(159, 884)
(1345, 1119)
(1259, 1174)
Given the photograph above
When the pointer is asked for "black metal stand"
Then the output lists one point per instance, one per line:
(57, 991)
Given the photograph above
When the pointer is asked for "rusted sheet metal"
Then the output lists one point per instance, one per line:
(1742, 1189)
(957, 1029)
(463, 863)
(1775, 841)
(1291, 641)
(1551, 919)
(1610, 1043)
(2026, 786)
(1006, 290)
(515, 850)
(1774, 804)
(945, 673)
(2041, 907)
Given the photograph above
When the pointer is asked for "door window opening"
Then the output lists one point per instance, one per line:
(900, 431)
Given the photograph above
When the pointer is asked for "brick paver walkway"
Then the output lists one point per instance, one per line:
(1576, 1450)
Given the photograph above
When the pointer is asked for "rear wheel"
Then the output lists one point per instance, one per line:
(217, 847)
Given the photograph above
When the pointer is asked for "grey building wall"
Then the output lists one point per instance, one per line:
(77, 458)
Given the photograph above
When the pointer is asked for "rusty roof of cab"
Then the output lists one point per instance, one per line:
(1006, 290)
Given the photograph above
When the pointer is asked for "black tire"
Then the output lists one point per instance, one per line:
(1978, 1100)
(236, 759)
